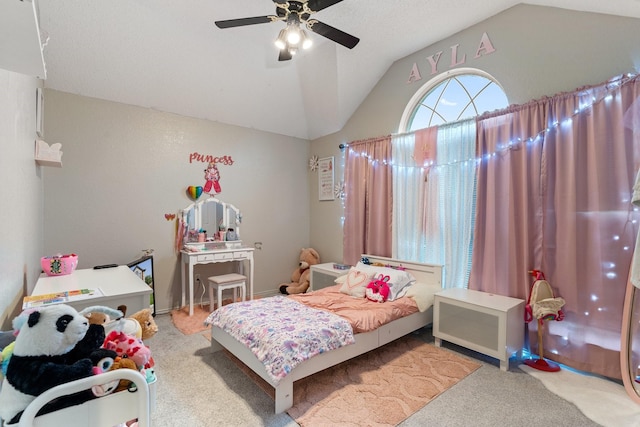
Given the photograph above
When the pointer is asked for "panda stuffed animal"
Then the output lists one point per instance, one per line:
(54, 345)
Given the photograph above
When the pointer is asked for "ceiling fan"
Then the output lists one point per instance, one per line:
(293, 13)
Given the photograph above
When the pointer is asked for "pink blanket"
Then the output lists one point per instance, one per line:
(362, 314)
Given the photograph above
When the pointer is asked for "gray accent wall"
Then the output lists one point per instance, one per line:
(125, 167)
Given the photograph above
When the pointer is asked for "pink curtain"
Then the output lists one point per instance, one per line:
(554, 193)
(368, 200)
(508, 229)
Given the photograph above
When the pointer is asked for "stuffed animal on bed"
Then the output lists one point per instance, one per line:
(54, 345)
(378, 290)
(300, 278)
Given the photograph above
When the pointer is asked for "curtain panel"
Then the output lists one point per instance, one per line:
(434, 198)
(368, 199)
(554, 194)
(408, 204)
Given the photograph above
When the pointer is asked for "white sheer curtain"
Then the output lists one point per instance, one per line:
(434, 206)
(456, 172)
(408, 180)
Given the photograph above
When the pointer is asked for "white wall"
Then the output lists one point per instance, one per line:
(20, 193)
(124, 167)
(539, 51)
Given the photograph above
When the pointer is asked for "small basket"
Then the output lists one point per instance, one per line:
(59, 265)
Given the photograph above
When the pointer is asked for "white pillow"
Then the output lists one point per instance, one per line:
(423, 294)
(355, 283)
(398, 279)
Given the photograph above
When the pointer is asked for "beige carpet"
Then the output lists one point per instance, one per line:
(379, 388)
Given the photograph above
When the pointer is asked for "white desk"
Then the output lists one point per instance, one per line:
(119, 285)
(191, 259)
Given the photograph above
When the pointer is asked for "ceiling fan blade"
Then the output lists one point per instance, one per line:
(338, 36)
(316, 5)
(246, 21)
(284, 55)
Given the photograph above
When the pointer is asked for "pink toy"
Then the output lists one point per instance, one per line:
(59, 265)
(378, 290)
(212, 178)
(129, 346)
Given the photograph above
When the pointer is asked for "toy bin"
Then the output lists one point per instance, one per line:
(59, 265)
(107, 411)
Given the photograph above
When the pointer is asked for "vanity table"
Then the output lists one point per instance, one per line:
(220, 221)
(191, 259)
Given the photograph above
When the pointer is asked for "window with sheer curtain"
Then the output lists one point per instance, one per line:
(435, 168)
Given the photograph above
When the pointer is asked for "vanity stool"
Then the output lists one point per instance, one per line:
(236, 282)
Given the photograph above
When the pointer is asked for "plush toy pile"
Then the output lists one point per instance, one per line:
(300, 278)
(56, 344)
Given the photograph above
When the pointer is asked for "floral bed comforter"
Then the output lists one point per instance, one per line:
(282, 332)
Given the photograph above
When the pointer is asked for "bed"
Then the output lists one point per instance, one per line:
(428, 281)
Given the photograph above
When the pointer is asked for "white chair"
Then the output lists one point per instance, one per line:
(233, 281)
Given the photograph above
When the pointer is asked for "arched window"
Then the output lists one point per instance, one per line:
(434, 207)
(455, 95)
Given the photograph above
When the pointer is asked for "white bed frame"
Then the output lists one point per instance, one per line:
(425, 273)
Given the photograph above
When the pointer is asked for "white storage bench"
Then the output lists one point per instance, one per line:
(487, 323)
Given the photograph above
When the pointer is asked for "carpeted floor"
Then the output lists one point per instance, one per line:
(603, 401)
(199, 388)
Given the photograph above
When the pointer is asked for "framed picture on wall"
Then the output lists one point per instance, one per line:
(325, 178)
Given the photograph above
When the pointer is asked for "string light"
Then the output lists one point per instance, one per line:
(612, 87)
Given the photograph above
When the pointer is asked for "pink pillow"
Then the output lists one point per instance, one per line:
(355, 283)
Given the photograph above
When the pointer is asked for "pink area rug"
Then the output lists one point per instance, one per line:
(190, 324)
(379, 388)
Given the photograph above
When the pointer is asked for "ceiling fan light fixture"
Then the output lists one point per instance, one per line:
(281, 41)
(306, 40)
(293, 34)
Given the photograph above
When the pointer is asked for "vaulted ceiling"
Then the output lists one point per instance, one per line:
(168, 55)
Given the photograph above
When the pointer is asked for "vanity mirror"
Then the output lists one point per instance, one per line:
(217, 219)
(221, 244)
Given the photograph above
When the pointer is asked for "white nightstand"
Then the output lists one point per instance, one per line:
(323, 275)
(487, 323)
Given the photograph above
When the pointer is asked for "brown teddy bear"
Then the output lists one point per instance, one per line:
(301, 275)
